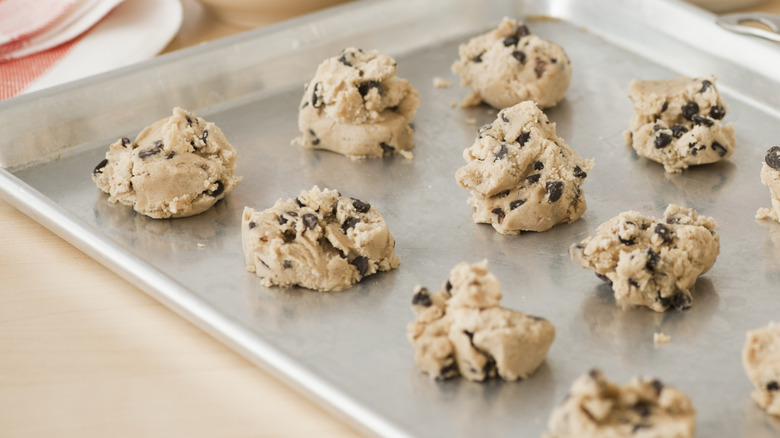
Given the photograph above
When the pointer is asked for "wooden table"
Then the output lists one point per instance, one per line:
(84, 353)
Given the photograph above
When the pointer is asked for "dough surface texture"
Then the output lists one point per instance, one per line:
(770, 177)
(522, 176)
(319, 240)
(179, 166)
(462, 330)
(648, 262)
(678, 122)
(509, 65)
(643, 408)
(761, 360)
(356, 105)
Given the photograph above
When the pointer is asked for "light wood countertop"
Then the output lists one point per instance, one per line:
(84, 353)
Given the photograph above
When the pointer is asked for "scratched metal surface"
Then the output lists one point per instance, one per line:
(348, 350)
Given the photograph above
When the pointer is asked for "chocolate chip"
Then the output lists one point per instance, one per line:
(158, 145)
(554, 190)
(633, 282)
(316, 96)
(288, 236)
(681, 300)
(664, 232)
(498, 212)
(522, 31)
(514, 204)
(719, 148)
(501, 152)
(503, 117)
(360, 206)
(502, 194)
(678, 130)
(100, 166)
(366, 87)
(604, 278)
(700, 120)
(772, 386)
(704, 85)
(315, 140)
(772, 157)
(386, 148)
(477, 58)
(349, 223)
(627, 242)
(539, 69)
(287, 264)
(252, 224)
(652, 260)
(534, 178)
(690, 109)
(656, 128)
(189, 120)
(522, 139)
(299, 203)
(658, 386)
(450, 369)
(218, 191)
(538, 165)
(519, 56)
(579, 173)
(343, 60)
(448, 286)
(554, 60)
(282, 220)
(643, 409)
(361, 263)
(663, 140)
(310, 220)
(717, 112)
(641, 426)
(422, 298)
(510, 41)
(125, 141)
(665, 106)
(170, 155)
(205, 135)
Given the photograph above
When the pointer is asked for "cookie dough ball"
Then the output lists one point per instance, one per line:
(462, 330)
(677, 122)
(510, 65)
(356, 106)
(770, 177)
(761, 359)
(522, 176)
(598, 408)
(179, 166)
(651, 263)
(319, 240)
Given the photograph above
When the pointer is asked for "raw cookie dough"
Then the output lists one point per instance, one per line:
(319, 240)
(509, 65)
(770, 177)
(677, 122)
(644, 407)
(461, 330)
(179, 166)
(522, 176)
(356, 106)
(761, 359)
(651, 263)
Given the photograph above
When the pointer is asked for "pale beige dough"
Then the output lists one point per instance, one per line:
(678, 122)
(319, 240)
(761, 360)
(522, 176)
(770, 177)
(356, 106)
(648, 262)
(509, 65)
(462, 330)
(644, 407)
(179, 166)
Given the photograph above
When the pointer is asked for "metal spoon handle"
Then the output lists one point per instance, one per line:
(736, 23)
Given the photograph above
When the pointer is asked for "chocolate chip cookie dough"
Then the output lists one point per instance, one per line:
(462, 330)
(677, 122)
(761, 359)
(522, 176)
(319, 240)
(770, 177)
(509, 65)
(356, 106)
(644, 407)
(179, 166)
(651, 263)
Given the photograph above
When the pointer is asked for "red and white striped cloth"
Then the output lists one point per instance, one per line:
(36, 34)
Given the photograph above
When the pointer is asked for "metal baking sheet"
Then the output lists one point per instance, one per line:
(348, 350)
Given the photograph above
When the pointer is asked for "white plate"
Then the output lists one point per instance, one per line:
(136, 30)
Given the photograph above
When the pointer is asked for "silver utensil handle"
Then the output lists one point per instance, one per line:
(736, 23)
